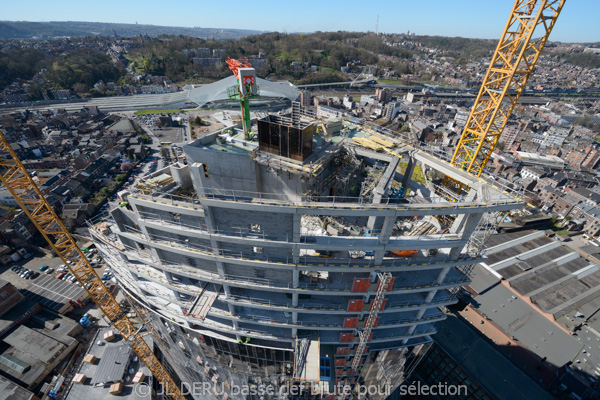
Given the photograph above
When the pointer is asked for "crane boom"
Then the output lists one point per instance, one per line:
(23, 188)
(506, 78)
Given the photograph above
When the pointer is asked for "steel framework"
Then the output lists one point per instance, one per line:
(510, 68)
(23, 188)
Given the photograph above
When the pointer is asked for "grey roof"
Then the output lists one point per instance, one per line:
(529, 326)
(482, 279)
(53, 293)
(112, 365)
(217, 91)
(484, 362)
(10, 390)
(40, 346)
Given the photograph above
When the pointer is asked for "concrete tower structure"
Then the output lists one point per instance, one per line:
(259, 268)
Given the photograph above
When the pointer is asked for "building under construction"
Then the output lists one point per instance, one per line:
(304, 256)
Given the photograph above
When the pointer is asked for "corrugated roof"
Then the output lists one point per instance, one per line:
(112, 365)
(53, 293)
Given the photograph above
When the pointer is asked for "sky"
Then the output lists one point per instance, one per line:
(465, 18)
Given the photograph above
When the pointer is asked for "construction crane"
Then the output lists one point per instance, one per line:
(31, 200)
(245, 89)
(364, 335)
(510, 67)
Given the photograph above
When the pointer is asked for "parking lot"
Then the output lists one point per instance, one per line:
(34, 263)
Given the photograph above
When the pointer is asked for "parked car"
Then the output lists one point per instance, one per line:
(28, 274)
(49, 271)
(15, 268)
(43, 268)
(35, 274)
(106, 277)
(61, 275)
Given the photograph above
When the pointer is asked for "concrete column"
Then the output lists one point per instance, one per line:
(411, 330)
(169, 277)
(464, 228)
(410, 168)
(198, 177)
(430, 296)
(295, 278)
(442, 275)
(227, 290)
(295, 299)
(375, 222)
(296, 226)
(386, 229)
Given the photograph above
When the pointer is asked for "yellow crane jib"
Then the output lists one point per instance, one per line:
(29, 197)
(510, 67)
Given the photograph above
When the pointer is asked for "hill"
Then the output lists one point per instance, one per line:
(47, 30)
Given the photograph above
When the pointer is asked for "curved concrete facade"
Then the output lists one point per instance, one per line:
(232, 259)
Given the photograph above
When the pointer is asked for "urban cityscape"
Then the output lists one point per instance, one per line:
(220, 213)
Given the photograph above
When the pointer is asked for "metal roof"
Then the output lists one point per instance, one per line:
(217, 91)
(53, 293)
(529, 326)
(484, 362)
(112, 365)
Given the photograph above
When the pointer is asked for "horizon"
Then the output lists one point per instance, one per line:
(470, 19)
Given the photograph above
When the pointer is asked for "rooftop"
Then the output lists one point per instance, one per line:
(112, 365)
(105, 370)
(53, 293)
(12, 391)
(40, 346)
(485, 363)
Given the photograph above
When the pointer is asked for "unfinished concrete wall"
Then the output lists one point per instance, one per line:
(173, 257)
(282, 183)
(282, 277)
(226, 170)
(181, 174)
(272, 224)
(184, 217)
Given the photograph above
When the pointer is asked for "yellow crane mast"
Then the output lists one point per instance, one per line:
(22, 187)
(510, 67)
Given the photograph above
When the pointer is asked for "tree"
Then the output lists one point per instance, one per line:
(121, 178)
(198, 121)
(126, 166)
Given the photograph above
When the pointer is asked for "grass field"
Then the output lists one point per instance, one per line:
(417, 173)
(149, 112)
(391, 82)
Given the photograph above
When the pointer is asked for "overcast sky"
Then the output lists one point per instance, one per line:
(467, 18)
